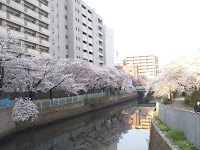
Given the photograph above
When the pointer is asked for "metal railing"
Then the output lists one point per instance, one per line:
(66, 100)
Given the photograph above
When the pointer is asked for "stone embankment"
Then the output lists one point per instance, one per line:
(51, 114)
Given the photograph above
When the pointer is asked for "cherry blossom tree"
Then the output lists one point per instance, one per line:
(24, 110)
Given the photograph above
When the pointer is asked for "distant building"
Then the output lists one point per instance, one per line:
(147, 65)
(27, 19)
(108, 46)
(131, 70)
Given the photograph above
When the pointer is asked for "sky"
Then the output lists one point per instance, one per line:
(165, 28)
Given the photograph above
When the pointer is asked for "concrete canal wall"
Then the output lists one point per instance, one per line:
(158, 139)
(178, 119)
(50, 114)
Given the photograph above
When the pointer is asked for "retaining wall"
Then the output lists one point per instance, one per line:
(177, 119)
(50, 114)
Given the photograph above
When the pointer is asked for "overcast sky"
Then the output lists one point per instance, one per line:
(165, 28)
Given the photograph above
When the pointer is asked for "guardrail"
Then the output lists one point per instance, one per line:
(66, 100)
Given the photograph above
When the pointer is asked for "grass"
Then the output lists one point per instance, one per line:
(177, 136)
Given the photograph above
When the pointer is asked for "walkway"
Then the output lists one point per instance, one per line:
(178, 102)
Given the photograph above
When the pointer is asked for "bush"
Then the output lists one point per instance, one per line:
(194, 98)
(163, 127)
(185, 145)
(187, 99)
(176, 135)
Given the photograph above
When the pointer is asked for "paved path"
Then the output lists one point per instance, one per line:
(178, 102)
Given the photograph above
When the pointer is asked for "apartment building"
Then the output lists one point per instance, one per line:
(27, 19)
(108, 46)
(76, 31)
(147, 65)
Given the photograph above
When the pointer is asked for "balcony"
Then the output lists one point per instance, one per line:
(85, 46)
(100, 54)
(45, 8)
(45, 19)
(16, 5)
(84, 29)
(32, 51)
(46, 43)
(90, 16)
(16, 19)
(45, 31)
(36, 3)
(17, 34)
(91, 57)
(90, 24)
(90, 49)
(85, 55)
(2, 14)
(90, 32)
(3, 29)
(84, 20)
(84, 37)
(32, 39)
(84, 12)
(90, 40)
(31, 12)
(31, 25)
(46, 54)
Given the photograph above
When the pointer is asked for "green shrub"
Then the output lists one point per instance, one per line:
(163, 127)
(185, 145)
(194, 98)
(176, 135)
(187, 99)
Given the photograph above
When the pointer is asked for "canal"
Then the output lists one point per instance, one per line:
(121, 127)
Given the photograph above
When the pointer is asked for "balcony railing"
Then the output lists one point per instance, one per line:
(85, 46)
(16, 5)
(3, 14)
(32, 13)
(45, 19)
(91, 57)
(85, 55)
(31, 25)
(45, 31)
(16, 19)
(46, 43)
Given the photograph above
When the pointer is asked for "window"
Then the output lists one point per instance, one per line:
(65, 26)
(65, 17)
(65, 7)
(66, 36)
(66, 46)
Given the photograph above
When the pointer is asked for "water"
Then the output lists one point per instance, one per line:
(122, 127)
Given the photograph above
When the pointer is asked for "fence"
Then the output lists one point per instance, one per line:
(178, 119)
(61, 101)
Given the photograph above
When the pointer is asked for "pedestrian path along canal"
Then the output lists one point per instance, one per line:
(122, 127)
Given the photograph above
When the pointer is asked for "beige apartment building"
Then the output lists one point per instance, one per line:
(146, 65)
(27, 19)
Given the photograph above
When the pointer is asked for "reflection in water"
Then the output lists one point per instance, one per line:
(98, 131)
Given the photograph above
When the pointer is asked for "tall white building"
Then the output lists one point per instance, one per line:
(27, 19)
(58, 28)
(76, 31)
(108, 46)
(147, 65)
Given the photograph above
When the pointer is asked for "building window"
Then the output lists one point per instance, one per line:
(65, 17)
(65, 7)
(66, 36)
(65, 26)
(66, 46)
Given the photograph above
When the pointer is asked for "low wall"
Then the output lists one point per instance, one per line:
(51, 114)
(177, 119)
(7, 126)
(158, 139)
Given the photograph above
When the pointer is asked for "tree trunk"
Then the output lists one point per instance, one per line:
(51, 94)
(1, 79)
